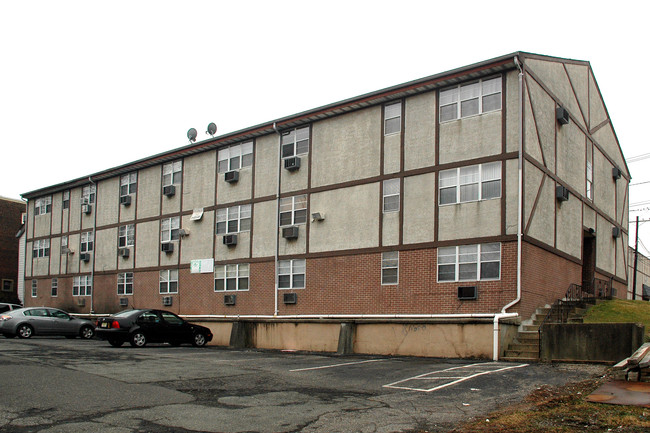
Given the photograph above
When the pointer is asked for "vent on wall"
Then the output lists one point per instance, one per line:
(124, 252)
(616, 232)
(290, 298)
(231, 176)
(81, 302)
(167, 247)
(86, 208)
(230, 240)
(125, 200)
(561, 193)
(229, 299)
(467, 292)
(616, 173)
(562, 115)
(290, 232)
(169, 190)
(84, 257)
(167, 301)
(124, 302)
(292, 164)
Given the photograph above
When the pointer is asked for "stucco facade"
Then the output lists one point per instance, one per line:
(411, 201)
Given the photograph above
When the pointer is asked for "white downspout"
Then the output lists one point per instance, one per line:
(520, 181)
(277, 216)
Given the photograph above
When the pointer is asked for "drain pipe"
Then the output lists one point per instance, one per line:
(520, 182)
(92, 270)
(277, 217)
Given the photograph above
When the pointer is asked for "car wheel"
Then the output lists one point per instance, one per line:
(199, 340)
(138, 339)
(115, 343)
(25, 331)
(87, 332)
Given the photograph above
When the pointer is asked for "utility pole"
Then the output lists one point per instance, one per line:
(636, 258)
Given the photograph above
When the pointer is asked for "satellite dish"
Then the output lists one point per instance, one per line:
(212, 129)
(191, 134)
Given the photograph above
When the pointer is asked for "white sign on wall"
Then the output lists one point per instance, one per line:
(202, 266)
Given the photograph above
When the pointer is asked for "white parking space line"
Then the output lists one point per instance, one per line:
(453, 380)
(336, 365)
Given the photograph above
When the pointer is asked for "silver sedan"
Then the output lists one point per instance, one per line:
(26, 322)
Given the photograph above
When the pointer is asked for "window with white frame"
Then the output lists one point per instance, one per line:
(172, 173)
(291, 274)
(392, 118)
(469, 262)
(471, 183)
(233, 219)
(391, 195)
(41, 248)
(231, 277)
(43, 205)
(88, 194)
(389, 267)
(169, 281)
(295, 142)
(55, 287)
(64, 245)
(125, 283)
(128, 184)
(235, 157)
(293, 210)
(169, 229)
(470, 99)
(66, 199)
(126, 236)
(86, 242)
(82, 285)
(34, 288)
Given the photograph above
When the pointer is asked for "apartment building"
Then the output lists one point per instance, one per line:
(11, 214)
(474, 195)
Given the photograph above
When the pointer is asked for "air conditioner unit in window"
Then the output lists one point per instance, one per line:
(467, 293)
(124, 302)
(229, 299)
(124, 252)
(86, 208)
(562, 115)
(167, 301)
(561, 193)
(167, 247)
(125, 200)
(616, 173)
(290, 232)
(290, 298)
(84, 257)
(169, 190)
(81, 302)
(231, 176)
(292, 164)
(230, 240)
(616, 232)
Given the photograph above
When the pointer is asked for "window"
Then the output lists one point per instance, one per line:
(169, 281)
(86, 242)
(34, 288)
(234, 219)
(235, 157)
(55, 287)
(64, 245)
(291, 274)
(389, 267)
(293, 210)
(169, 228)
(392, 118)
(590, 172)
(128, 184)
(469, 262)
(172, 173)
(66, 199)
(7, 285)
(125, 283)
(295, 142)
(231, 277)
(88, 194)
(391, 195)
(171, 318)
(43, 205)
(41, 248)
(126, 236)
(82, 285)
(472, 183)
(470, 99)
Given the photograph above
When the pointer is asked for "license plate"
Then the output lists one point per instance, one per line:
(104, 325)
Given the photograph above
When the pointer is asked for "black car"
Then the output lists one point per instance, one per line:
(140, 327)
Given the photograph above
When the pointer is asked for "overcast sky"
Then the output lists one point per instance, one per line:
(88, 85)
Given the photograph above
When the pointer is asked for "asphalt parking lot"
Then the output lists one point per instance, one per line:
(58, 385)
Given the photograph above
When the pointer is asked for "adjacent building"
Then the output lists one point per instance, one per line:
(11, 220)
(470, 196)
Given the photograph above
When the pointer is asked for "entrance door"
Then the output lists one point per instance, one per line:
(588, 261)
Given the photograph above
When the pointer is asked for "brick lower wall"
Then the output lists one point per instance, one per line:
(10, 223)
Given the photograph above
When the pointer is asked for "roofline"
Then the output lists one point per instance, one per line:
(377, 97)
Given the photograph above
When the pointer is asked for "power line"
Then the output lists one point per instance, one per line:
(638, 157)
(639, 183)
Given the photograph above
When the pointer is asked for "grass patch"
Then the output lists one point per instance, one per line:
(621, 311)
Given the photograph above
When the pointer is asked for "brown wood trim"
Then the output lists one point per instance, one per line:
(382, 140)
(610, 275)
(534, 209)
(253, 170)
(551, 249)
(400, 238)
(504, 132)
(553, 59)
(381, 214)
(539, 140)
(600, 126)
(575, 95)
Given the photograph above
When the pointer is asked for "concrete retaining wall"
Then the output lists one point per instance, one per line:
(592, 342)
